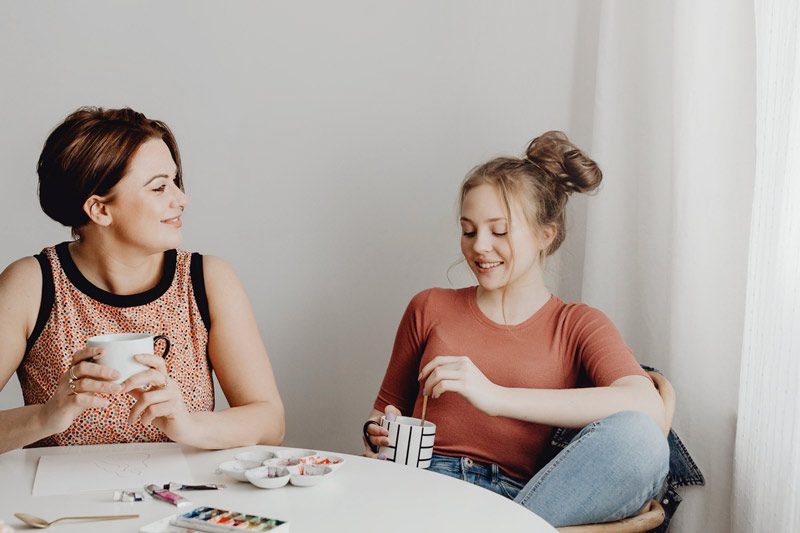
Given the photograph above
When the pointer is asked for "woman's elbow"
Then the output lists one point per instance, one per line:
(275, 430)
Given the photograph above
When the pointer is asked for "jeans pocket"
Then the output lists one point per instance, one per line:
(508, 488)
(446, 466)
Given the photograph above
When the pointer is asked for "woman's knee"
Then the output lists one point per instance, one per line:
(639, 443)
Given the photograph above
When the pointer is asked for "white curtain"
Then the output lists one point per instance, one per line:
(767, 466)
(667, 238)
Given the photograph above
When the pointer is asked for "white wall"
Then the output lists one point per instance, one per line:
(323, 144)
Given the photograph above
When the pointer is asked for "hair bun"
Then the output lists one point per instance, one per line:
(570, 169)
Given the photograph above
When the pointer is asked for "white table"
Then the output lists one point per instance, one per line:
(364, 495)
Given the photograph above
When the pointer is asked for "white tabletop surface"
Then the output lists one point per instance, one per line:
(364, 495)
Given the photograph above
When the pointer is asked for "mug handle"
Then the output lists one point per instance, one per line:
(367, 424)
(166, 342)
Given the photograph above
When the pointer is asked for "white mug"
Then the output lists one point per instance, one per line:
(119, 349)
(409, 443)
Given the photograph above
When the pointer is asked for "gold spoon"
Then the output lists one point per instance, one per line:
(41, 523)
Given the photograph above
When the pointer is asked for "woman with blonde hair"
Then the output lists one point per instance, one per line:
(504, 362)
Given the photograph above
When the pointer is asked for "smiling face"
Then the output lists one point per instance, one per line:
(499, 253)
(144, 209)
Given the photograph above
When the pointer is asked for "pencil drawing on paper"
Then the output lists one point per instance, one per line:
(127, 465)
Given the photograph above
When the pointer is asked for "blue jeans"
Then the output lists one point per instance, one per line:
(609, 470)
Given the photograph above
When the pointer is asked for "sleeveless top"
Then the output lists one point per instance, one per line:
(73, 309)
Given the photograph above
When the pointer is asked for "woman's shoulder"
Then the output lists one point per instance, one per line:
(580, 315)
(24, 273)
(217, 273)
(440, 298)
(21, 289)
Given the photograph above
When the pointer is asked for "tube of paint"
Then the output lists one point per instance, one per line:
(167, 496)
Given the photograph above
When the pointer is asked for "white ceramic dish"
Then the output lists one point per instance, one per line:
(233, 469)
(268, 477)
(294, 453)
(285, 463)
(253, 459)
(334, 462)
(309, 475)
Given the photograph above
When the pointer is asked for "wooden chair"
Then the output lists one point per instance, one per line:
(652, 515)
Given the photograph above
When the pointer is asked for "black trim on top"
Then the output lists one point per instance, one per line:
(109, 298)
(199, 288)
(47, 300)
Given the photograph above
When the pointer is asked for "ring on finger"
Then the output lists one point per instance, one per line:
(72, 387)
(72, 376)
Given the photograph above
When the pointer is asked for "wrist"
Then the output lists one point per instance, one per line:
(46, 421)
(190, 430)
(498, 400)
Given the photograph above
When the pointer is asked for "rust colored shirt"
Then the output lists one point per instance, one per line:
(561, 346)
(73, 309)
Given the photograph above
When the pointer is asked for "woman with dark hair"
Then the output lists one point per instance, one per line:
(114, 176)
(505, 361)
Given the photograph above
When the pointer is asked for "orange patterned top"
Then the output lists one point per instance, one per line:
(73, 309)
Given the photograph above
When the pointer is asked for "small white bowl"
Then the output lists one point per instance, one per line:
(334, 462)
(285, 462)
(268, 477)
(293, 453)
(234, 469)
(253, 459)
(310, 475)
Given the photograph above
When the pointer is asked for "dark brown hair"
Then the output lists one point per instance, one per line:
(541, 181)
(88, 154)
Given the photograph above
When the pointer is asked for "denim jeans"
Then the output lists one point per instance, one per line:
(609, 470)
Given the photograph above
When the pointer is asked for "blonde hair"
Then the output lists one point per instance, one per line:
(541, 182)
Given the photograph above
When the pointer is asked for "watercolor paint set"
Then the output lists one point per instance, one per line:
(212, 520)
(219, 520)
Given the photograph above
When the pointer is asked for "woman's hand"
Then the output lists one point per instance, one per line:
(376, 436)
(77, 389)
(449, 373)
(158, 399)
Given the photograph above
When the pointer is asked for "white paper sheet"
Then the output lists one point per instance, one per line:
(92, 470)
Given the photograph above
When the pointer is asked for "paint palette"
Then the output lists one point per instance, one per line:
(302, 468)
(221, 521)
(268, 477)
(331, 461)
(285, 463)
(253, 459)
(309, 475)
(294, 453)
(233, 469)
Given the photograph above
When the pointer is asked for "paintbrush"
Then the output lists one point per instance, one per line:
(424, 408)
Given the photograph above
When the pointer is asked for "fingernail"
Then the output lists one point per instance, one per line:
(391, 417)
(382, 457)
(419, 377)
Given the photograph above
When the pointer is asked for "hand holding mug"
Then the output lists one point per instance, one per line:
(78, 387)
(376, 436)
(120, 350)
(158, 399)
